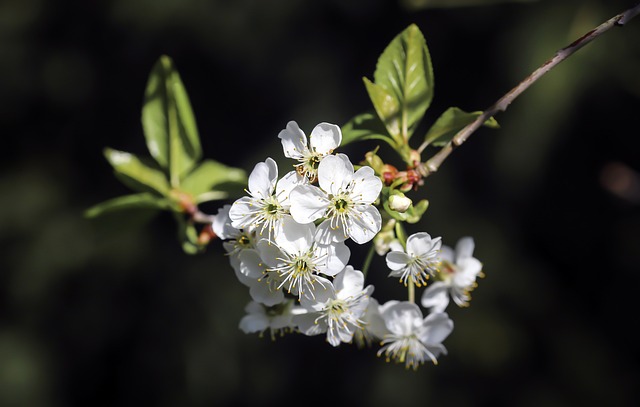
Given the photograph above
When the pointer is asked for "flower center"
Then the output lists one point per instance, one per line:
(341, 205)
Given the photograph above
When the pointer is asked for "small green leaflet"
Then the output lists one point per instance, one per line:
(450, 123)
(404, 74)
(143, 200)
(365, 126)
(168, 122)
(137, 174)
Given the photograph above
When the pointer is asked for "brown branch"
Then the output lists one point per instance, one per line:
(432, 165)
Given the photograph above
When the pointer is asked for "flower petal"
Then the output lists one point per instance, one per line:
(286, 184)
(241, 212)
(294, 141)
(435, 297)
(337, 257)
(464, 248)
(325, 138)
(262, 179)
(262, 293)
(365, 225)
(308, 203)
(397, 260)
(294, 237)
(309, 324)
(437, 326)
(254, 323)
(366, 187)
(349, 282)
(326, 234)
(334, 172)
(420, 244)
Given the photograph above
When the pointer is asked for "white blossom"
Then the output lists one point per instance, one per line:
(278, 319)
(457, 277)
(298, 259)
(324, 138)
(416, 262)
(268, 201)
(337, 309)
(409, 338)
(344, 199)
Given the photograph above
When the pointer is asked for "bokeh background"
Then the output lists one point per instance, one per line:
(113, 313)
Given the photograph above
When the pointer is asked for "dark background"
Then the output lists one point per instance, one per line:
(113, 313)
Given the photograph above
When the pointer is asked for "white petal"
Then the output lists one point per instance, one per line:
(349, 282)
(286, 184)
(367, 186)
(308, 203)
(419, 244)
(468, 270)
(334, 172)
(464, 248)
(250, 268)
(253, 323)
(262, 293)
(240, 212)
(294, 237)
(323, 291)
(437, 326)
(447, 253)
(364, 225)
(435, 297)
(269, 253)
(401, 318)
(262, 179)
(397, 260)
(294, 141)
(325, 138)
(325, 234)
(221, 224)
(307, 324)
(337, 257)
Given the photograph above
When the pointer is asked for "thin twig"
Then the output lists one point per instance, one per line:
(432, 165)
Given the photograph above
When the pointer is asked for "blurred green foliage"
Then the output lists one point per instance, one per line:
(112, 312)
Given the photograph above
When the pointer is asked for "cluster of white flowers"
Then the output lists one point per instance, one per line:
(286, 241)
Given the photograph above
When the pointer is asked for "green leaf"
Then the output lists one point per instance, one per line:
(387, 107)
(365, 126)
(135, 173)
(405, 70)
(168, 121)
(202, 181)
(128, 202)
(450, 123)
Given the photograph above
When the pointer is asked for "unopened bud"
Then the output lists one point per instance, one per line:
(399, 203)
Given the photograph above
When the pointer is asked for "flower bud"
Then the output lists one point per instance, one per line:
(399, 203)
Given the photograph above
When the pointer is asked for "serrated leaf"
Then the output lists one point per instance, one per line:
(405, 70)
(209, 175)
(450, 123)
(387, 107)
(136, 173)
(365, 126)
(168, 122)
(128, 202)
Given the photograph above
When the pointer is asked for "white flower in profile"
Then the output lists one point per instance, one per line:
(345, 199)
(366, 334)
(299, 260)
(235, 241)
(409, 338)
(278, 319)
(268, 200)
(324, 138)
(457, 277)
(337, 309)
(418, 261)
